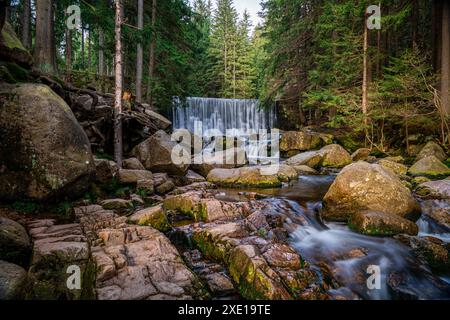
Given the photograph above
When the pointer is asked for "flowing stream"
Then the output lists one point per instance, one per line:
(347, 254)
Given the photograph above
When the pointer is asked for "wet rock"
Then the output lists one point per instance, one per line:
(44, 152)
(202, 207)
(293, 142)
(361, 154)
(15, 245)
(205, 162)
(335, 156)
(119, 205)
(156, 154)
(219, 283)
(13, 280)
(435, 189)
(56, 248)
(105, 170)
(420, 180)
(439, 213)
(362, 186)
(429, 167)
(430, 250)
(311, 159)
(257, 176)
(382, 224)
(133, 176)
(305, 170)
(193, 177)
(132, 164)
(395, 167)
(432, 149)
(154, 217)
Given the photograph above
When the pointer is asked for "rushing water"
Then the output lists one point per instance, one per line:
(348, 255)
(222, 115)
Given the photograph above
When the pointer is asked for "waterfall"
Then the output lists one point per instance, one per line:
(222, 115)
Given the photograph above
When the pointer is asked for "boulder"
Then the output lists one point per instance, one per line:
(152, 217)
(15, 245)
(105, 170)
(44, 152)
(435, 189)
(293, 142)
(374, 223)
(132, 164)
(13, 281)
(362, 186)
(119, 205)
(429, 167)
(335, 156)
(361, 154)
(165, 187)
(432, 149)
(12, 49)
(193, 177)
(305, 170)
(311, 159)
(84, 102)
(396, 159)
(133, 176)
(395, 167)
(257, 176)
(155, 154)
(205, 162)
(161, 122)
(147, 186)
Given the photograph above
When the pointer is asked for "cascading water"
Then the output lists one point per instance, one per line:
(242, 119)
(222, 115)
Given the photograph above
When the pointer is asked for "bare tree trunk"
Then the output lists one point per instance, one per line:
(45, 53)
(365, 74)
(26, 24)
(445, 59)
(3, 7)
(68, 55)
(151, 68)
(82, 47)
(101, 52)
(89, 49)
(118, 143)
(139, 58)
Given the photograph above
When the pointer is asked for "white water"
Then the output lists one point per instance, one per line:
(243, 119)
(222, 115)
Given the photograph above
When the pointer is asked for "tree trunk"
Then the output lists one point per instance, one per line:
(139, 58)
(26, 24)
(68, 55)
(436, 30)
(44, 53)
(101, 52)
(365, 71)
(3, 8)
(445, 58)
(118, 143)
(89, 50)
(151, 67)
(82, 48)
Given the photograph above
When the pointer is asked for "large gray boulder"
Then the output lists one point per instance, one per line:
(429, 167)
(155, 154)
(12, 281)
(432, 149)
(293, 142)
(362, 186)
(15, 245)
(44, 152)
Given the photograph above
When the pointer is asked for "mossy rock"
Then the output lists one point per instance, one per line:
(430, 167)
(12, 49)
(154, 217)
(15, 72)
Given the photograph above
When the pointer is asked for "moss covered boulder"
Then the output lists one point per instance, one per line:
(335, 156)
(15, 244)
(374, 223)
(429, 167)
(12, 49)
(362, 186)
(435, 189)
(256, 177)
(432, 149)
(395, 167)
(152, 217)
(13, 280)
(44, 151)
(361, 154)
(294, 142)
